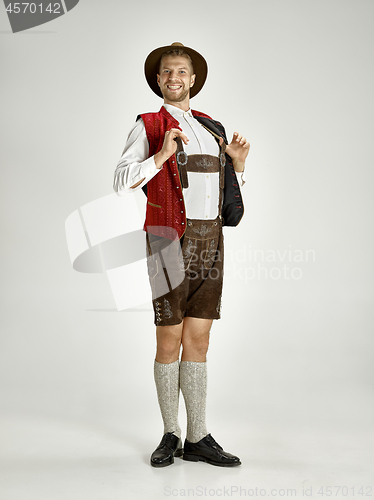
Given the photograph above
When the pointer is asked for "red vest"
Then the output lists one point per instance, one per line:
(166, 214)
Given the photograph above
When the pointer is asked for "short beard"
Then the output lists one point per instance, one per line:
(181, 98)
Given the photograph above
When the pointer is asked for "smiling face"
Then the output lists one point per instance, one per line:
(175, 79)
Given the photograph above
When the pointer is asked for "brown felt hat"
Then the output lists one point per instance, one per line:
(153, 60)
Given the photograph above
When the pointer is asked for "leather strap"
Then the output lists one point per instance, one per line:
(182, 163)
(182, 160)
(222, 162)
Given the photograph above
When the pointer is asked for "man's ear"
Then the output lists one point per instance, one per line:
(193, 78)
(158, 80)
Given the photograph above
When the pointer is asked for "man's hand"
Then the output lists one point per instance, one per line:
(238, 149)
(169, 146)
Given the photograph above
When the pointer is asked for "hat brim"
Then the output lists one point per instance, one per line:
(152, 63)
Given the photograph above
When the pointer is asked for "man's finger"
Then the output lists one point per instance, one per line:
(178, 133)
(184, 138)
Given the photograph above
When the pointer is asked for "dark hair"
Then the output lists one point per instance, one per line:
(175, 52)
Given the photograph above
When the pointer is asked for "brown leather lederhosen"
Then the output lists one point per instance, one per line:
(186, 276)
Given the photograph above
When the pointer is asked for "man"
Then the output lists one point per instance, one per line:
(181, 159)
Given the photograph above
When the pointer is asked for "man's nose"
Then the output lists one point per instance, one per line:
(173, 75)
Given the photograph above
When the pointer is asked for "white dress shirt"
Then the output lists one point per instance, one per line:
(202, 195)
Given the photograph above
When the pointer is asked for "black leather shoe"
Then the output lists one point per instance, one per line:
(170, 447)
(208, 450)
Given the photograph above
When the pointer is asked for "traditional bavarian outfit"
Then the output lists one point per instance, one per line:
(185, 248)
(199, 256)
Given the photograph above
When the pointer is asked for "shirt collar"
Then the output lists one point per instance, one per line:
(175, 112)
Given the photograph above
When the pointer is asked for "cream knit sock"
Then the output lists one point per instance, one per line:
(167, 385)
(193, 383)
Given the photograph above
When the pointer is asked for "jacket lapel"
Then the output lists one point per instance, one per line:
(212, 126)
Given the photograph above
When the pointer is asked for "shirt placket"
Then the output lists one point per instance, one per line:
(207, 178)
(195, 131)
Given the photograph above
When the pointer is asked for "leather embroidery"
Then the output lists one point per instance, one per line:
(219, 305)
(203, 230)
(181, 264)
(210, 255)
(152, 266)
(204, 163)
(188, 253)
(167, 309)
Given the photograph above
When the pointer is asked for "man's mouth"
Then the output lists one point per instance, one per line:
(174, 87)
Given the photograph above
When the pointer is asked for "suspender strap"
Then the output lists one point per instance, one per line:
(182, 160)
(222, 162)
(182, 163)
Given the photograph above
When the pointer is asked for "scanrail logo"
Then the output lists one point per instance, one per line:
(25, 15)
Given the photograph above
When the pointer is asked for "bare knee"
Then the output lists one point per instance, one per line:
(195, 349)
(195, 339)
(168, 343)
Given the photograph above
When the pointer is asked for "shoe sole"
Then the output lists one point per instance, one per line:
(198, 458)
(178, 453)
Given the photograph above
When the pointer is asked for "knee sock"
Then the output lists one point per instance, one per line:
(193, 383)
(167, 385)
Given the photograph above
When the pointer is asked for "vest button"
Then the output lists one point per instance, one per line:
(181, 211)
(182, 223)
(175, 174)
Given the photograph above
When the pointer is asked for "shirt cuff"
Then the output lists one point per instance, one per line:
(149, 168)
(241, 178)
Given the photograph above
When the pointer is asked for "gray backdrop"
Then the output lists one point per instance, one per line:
(290, 362)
